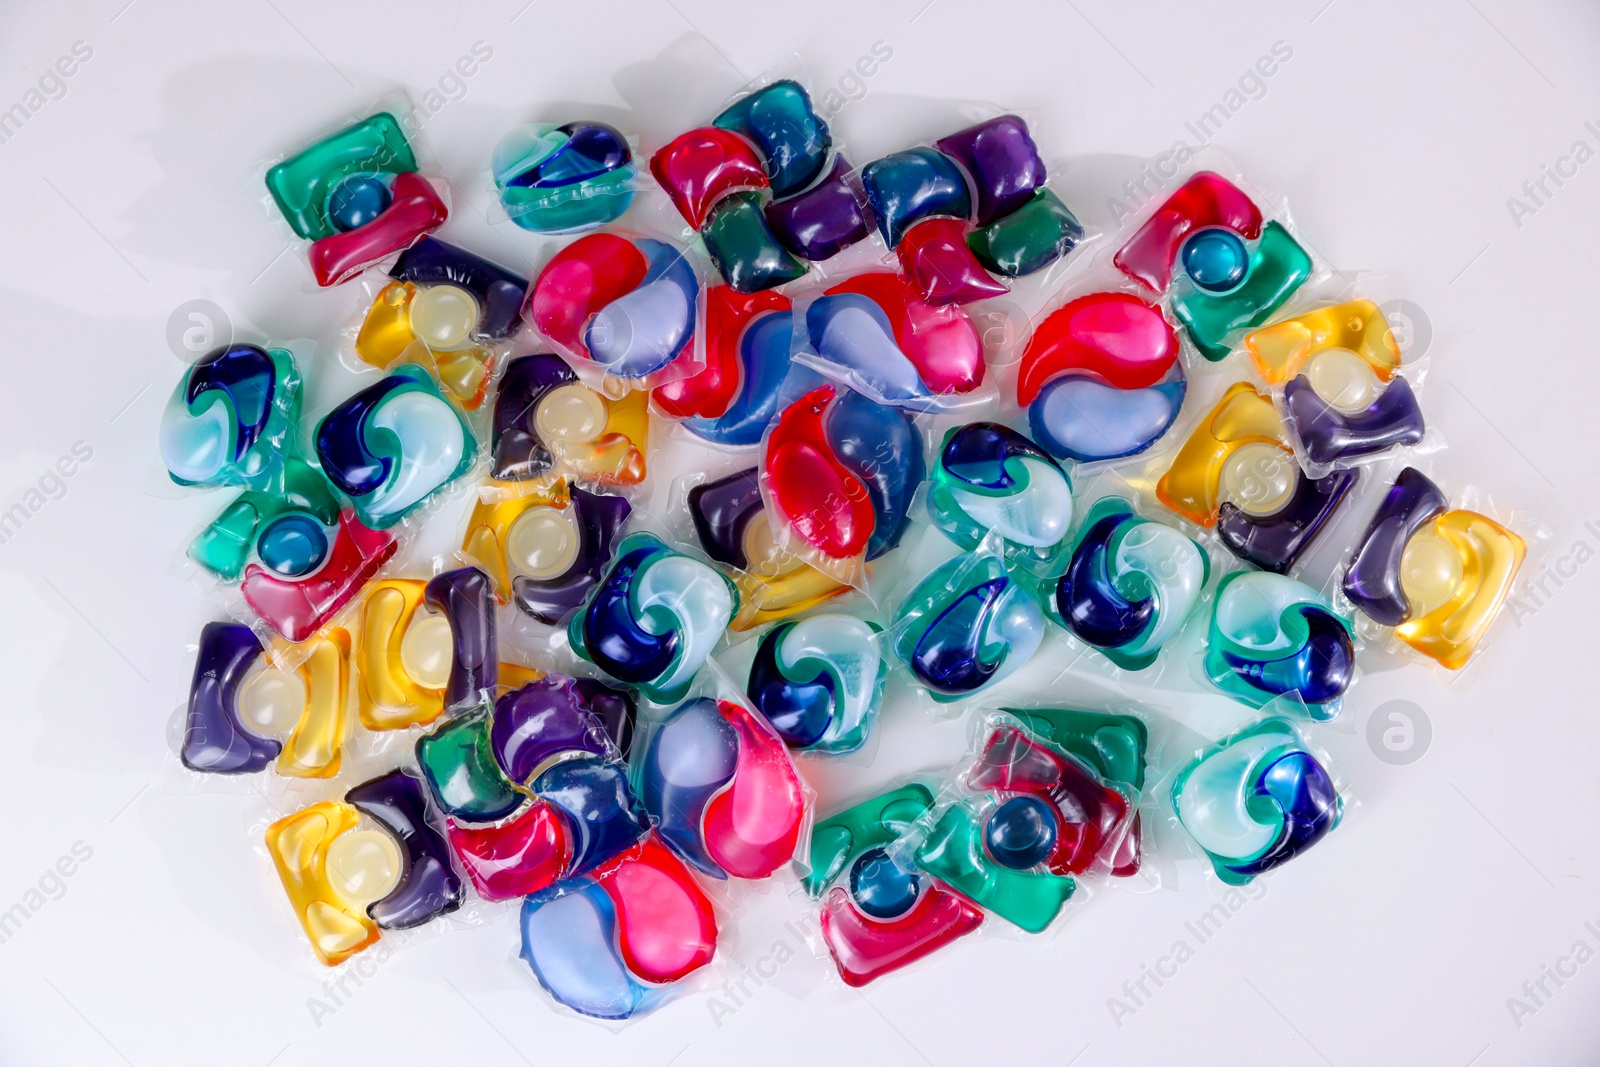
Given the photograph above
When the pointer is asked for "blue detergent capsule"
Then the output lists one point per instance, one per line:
(293, 545)
(1215, 259)
(881, 887)
(1021, 833)
(358, 200)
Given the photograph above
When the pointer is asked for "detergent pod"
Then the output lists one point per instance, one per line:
(395, 446)
(819, 681)
(566, 178)
(294, 554)
(371, 862)
(622, 308)
(877, 915)
(1256, 799)
(446, 308)
(970, 212)
(1237, 473)
(1271, 635)
(357, 195)
(545, 544)
(748, 376)
(1218, 261)
(654, 617)
(764, 187)
(988, 480)
(874, 333)
(967, 625)
(1125, 584)
(1101, 378)
(721, 787)
(839, 472)
(1345, 398)
(548, 422)
(1438, 574)
(231, 418)
(733, 528)
(1020, 823)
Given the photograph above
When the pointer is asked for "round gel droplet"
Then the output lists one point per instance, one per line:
(425, 651)
(1021, 833)
(542, 543)
(363, 866)
(1215, 260)
(293, 545)
(1430, 572)
(356, 201)
(881, 887)
(272, 702)
(1343, 379)
(1258, 478)
(572, 413)
(443, 316)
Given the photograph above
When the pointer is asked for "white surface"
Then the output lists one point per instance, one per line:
(1398, 131)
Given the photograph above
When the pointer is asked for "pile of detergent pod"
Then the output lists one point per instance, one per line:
(600, 708)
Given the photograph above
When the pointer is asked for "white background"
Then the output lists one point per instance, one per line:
(1397, 131)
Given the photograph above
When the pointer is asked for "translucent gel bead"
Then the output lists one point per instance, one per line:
(292, 545)
(443, 316)
(1215, 260)
(881, 887)
(1258, 478)
(542, 542)
(272, 701)
(358, 200)
(1021, 833)
(1430, 571)
(572, 413)
(363, 866)
(1343, 379)
(425, 651)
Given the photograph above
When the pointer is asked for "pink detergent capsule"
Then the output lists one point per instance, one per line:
(521, 855)
(582, 278)
(700, 167)
(752, 827)
(666, 925)
(865, 947)
(935, 257)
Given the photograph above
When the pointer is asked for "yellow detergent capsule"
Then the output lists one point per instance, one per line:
(330, 881)
(389, 695)
(1356, 326)
(503, 540)
(593, 437)
(1193, 484)
(1457, 574)
(386, 332)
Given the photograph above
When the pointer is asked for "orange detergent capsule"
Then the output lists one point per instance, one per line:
(1355, 327)
(1457, 573)
(1239, 451)
(303, 690)
(332, 871)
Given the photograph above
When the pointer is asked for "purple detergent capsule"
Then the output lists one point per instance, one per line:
(466, 599)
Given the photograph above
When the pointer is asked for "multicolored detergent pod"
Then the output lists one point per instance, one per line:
(748, 376)
(654, 618)
(1115, 746)
(877, 335)
(938, 263)
(229, 420)
(1342, 397)
(908, 186)
(357, 196)
(546, 420)
(546, 546)
(1128, 584)
(611, 944)
(879, 916)
(819, 681)
(1272, 635)
(700, 168)
(1101, 378)
(1256, 800)
(1237, 472)
(723, 792)
(1438, 575)
(731, 523)
(394, 445)
(966, 626)
(1208, 248)
(841, 471)
(564, 179)
(446, 306)
(791, 138)
(427, 886)
(1028, 820)
(990, 478)
(555, 741)
(627, 305)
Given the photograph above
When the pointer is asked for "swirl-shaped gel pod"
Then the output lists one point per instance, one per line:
(1129, 584)
(1256, 800)
(627, 305)
(297, 606)
(229, 419)
(819, 682)
(545, 419)
(731, 524)
(841, 471)
(428, 885)
(989, 478)
(748, 377)
(393, 445)
(654, 618)
(607, 945)
(465, 597)
(967, 626)
(302, 692)
(878, 916)
(723, 791)
(911, 185)
(1208, 249)
(332, 872)
(698, 169)
(873, 332)
(1438, 576)
(790, 136)
(564, 179)
(1272, 635)
(215, 739)
(1101, 378)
